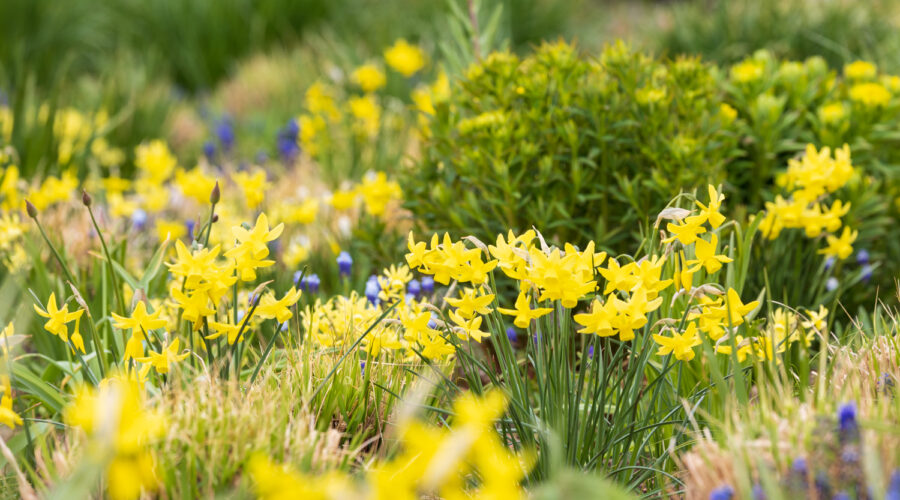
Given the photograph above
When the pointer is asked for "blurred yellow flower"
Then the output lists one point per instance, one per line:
(405, 58)
(155, 160)
(747, 71)
(377, 192)
(115, 418)
(172, 230)
(832, 113)
(367, 113)
(194, 183)
(252, 185)
(369, 77)
(870, 94)
(319, 101)
(860, 70)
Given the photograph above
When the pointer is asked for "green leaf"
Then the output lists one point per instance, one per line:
(133, 283)
(48, 394)
(154, 265)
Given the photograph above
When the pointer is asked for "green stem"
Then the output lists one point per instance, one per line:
(209, 353)
(115, 280)
(265, 353)
(98, 348)
(237, 340)
(56, 254)
(212, 212)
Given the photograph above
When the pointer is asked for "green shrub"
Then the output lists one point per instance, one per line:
(782, 106)
(582, 148)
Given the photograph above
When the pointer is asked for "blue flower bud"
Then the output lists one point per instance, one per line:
(431, 322)
(893, 491)
(799, 466)
(722, 493)
(372, 289)
(225, 133)
(842, 495)
(209, 150)
(139, 219)
(189, 224)
(345, 263)
(292, 129)
(829, 263)
(866, 273)
(427, 285)
(311, 283)
(297, 275)
(591, 351)
(886, 383)
(511, 334)
(832, 284)
(847, 417)
(862, 257)
(414, 287)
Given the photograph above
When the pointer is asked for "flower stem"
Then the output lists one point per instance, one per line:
(56, 254)
(115, 280)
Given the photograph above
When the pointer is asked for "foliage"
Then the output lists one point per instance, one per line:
(781, 106)
(582, 148)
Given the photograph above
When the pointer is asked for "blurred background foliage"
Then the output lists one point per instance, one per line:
(145, 59)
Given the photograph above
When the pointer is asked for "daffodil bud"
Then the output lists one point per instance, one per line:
(30, 209)
(215, 195)
(85, 198)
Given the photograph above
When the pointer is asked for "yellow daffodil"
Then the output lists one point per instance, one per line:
(679, 344)
(840, 247)
(161, 360)
(523, 312)
(58, 320)
(706, 254)
(711, 211)
(687, 232)
(279, 309)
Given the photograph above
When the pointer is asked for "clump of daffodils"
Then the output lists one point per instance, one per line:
(810, 180)
(622, 293)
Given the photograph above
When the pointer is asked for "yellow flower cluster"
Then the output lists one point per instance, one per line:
(815, 175)
(784, 328)
(375, 191)
(408, 330)
(713, 317)
(435, 461)
(550, 275)
(120, 426)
